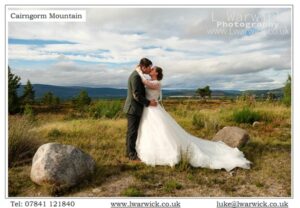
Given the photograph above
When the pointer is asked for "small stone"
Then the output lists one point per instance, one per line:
(256, 123)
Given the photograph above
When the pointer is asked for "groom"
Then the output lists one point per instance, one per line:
(135, 102)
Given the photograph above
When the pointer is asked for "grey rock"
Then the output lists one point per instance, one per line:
(60, 165)
(232, 136)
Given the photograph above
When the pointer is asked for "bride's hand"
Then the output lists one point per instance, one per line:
(138, 69)
(140, 72)
(153, 103)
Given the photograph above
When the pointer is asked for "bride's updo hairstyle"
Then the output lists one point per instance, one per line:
(159, 73)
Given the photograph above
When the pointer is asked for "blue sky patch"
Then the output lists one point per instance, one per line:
(36, 41)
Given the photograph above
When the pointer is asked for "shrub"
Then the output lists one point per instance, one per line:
(55, 133)
(171, 186)
(28, 111)
(246, 115)
(203, 121)
(198, 121)
(132, 191)
(82, 100)
(184, 164)
(106, 109)
(50, 99)
(22, 143)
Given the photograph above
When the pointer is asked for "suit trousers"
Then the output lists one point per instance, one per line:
(133, 122)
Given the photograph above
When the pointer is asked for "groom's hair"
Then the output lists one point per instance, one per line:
(144, 62)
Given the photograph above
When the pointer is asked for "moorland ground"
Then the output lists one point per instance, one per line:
(100, 131)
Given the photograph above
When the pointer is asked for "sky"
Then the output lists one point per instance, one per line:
(224, 48)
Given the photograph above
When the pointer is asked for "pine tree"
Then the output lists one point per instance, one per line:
(28, 94)
(82, 99)
(48, 98)
(13, 99)
(287, 92)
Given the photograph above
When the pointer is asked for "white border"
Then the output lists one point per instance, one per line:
(186, 202)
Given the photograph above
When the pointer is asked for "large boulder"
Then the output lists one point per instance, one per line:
(60, 165)
(232, 136)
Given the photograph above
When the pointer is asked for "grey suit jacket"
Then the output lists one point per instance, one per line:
(136, 96)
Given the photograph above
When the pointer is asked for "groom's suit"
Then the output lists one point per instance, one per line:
(134, 105)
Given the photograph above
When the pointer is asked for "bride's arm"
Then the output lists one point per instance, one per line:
(148, 83)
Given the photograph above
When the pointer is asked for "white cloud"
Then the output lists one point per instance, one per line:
(176, 39)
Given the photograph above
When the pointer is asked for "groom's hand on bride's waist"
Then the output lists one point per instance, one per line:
(153, 103)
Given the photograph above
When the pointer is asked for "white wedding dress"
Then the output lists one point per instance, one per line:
(161, 141)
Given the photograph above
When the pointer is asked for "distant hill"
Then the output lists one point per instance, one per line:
(260, 93)
(228, 93)
(67, 92)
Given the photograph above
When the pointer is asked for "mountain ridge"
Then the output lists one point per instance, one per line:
(68, 92)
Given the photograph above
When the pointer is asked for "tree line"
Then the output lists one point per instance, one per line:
(17, 104)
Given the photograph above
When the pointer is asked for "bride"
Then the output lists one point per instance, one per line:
(161, 141)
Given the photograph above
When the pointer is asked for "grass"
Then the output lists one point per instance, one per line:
(171, 186)
(132, 192)
(246, 115)
(198, 121)
(55, 133)
(22, 143)
(106, 109)
(104, 139)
